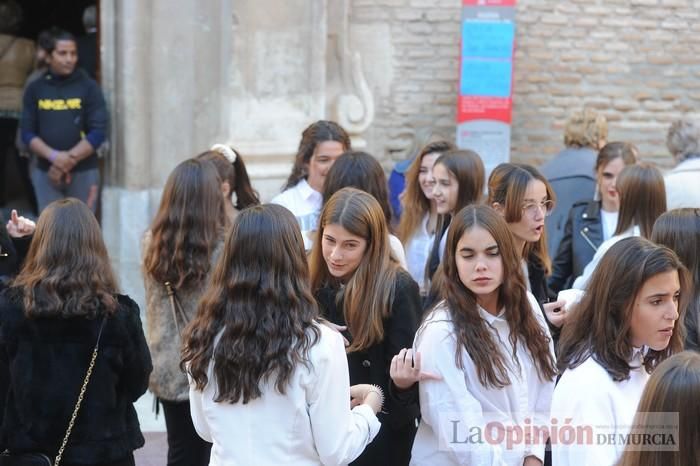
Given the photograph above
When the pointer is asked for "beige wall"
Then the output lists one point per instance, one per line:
(637, 61)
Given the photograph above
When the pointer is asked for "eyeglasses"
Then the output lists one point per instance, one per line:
(532, 208)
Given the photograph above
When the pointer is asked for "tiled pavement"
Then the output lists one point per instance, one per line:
(154, 452)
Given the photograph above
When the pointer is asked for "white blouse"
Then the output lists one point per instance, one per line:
(418, 251)
(451, 407)
(305, 203)
(311, 424)
(590, 397)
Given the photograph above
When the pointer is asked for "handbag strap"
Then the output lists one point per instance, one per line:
(73, 416)
(176, 307)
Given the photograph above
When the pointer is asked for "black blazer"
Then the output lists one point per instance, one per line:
(583, 234)
(392, 446)
(43, 360)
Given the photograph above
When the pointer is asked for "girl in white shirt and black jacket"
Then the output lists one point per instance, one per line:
(489, 343)
(624, 326)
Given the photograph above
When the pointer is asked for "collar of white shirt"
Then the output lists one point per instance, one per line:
(307, 192)
(490, 318)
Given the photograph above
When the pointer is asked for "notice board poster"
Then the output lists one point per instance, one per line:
(486, 79)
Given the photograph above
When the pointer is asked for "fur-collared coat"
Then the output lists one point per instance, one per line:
(168, 381)
(44, 360)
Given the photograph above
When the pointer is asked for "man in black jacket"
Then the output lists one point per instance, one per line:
(64, 119)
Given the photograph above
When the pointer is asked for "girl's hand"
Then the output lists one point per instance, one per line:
(556, 312)
(370, 395)
(405, 370)
(19, 227)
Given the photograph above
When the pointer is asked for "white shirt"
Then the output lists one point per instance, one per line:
(459, 399)
(311, 424)
(683, 185)
(590, 397)
(305, 203)
(418, 251)
(608, 220)
(397, 250)
(581, 282)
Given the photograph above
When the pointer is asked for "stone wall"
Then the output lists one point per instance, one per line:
(637, 61)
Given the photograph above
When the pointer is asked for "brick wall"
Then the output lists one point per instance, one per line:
(637, 61)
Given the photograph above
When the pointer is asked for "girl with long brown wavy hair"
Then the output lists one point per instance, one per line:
(180, 250)
(64, 301)
(358, 285)
(619, 332)
(672, 389)
(261, 363)
(489, 343)
(419, 214)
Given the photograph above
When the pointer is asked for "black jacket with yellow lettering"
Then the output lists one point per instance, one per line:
(62, 111)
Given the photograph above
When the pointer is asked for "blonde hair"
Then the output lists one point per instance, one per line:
(585, 128)
(413, 202)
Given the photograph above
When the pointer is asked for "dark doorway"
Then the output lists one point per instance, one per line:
(43, 14)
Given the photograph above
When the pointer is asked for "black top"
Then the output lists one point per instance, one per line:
(392, 446)
(42, 367)
(62, 111)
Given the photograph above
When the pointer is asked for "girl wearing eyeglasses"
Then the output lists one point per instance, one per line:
(523, 196)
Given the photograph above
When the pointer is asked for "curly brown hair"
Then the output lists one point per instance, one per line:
(260, 304)
(187, 226)
(67, 271)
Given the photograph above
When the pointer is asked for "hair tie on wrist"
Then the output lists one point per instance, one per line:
(53, 155)
(224, 150)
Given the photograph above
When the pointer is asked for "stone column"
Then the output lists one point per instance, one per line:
(166, 67)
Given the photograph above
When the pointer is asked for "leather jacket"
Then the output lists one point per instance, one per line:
(583, 234)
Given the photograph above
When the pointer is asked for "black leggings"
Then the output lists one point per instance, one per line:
(185, 446)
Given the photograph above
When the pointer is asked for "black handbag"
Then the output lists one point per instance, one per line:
(8, 458)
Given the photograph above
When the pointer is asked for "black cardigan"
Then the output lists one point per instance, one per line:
(42, 367)
(392, 446)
